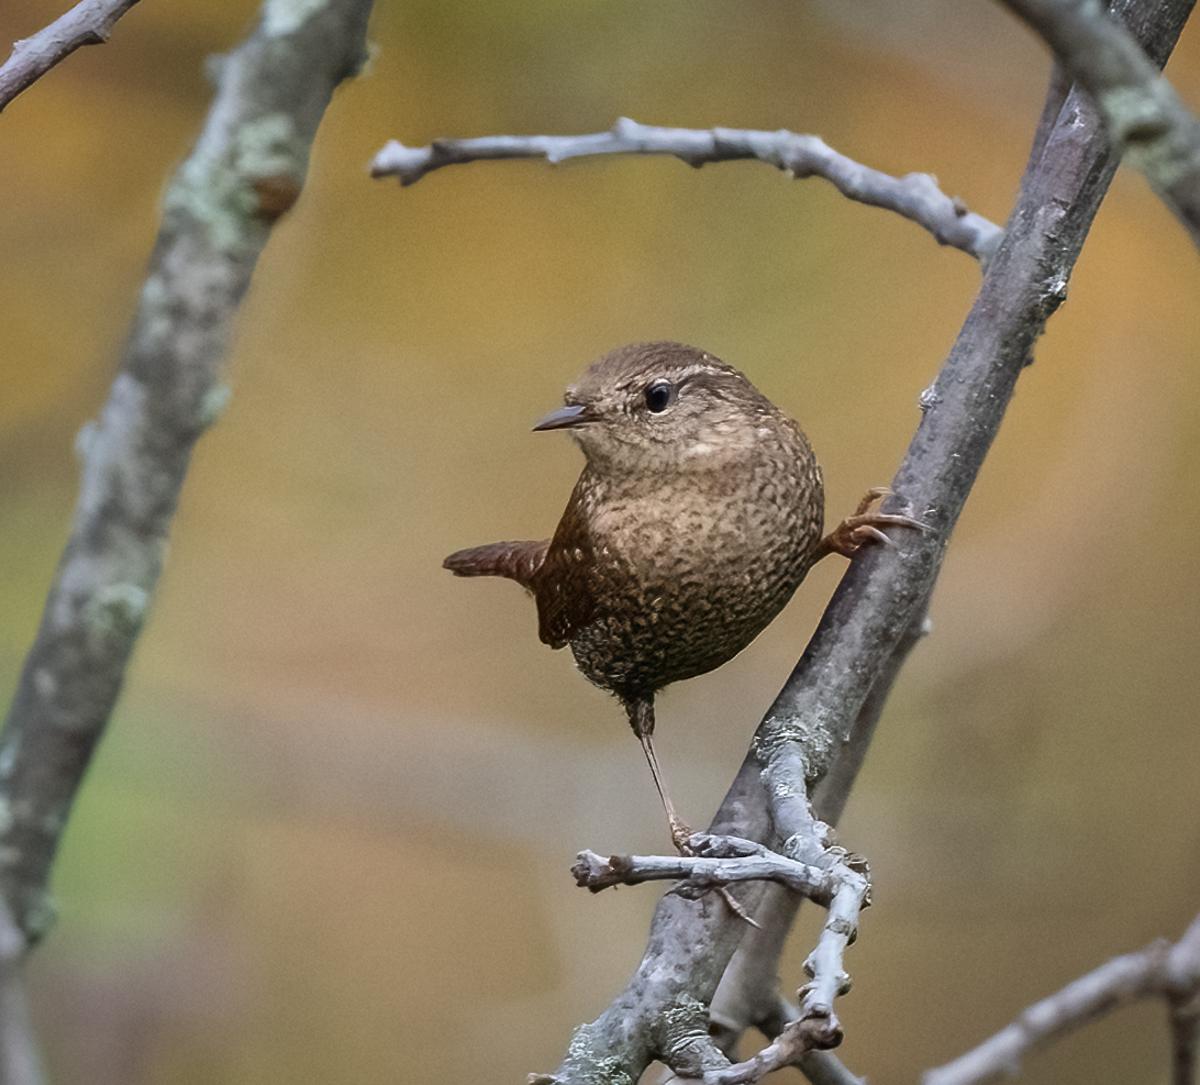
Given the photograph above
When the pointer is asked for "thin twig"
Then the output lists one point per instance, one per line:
(87, 23)
(802, 1037)
(1146, 120)
(1160, 969)
(246, 170)
(916, 196)
(751, 863)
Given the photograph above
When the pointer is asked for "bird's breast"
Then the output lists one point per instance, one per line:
(725, 530)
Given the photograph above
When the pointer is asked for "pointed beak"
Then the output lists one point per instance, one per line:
(564, 418)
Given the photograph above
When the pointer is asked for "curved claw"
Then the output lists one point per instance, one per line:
(864, 526)
(682, 837)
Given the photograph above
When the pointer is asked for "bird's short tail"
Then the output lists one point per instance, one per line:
(518, 561)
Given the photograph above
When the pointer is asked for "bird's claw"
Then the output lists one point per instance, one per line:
(865, 526)
(681, 835)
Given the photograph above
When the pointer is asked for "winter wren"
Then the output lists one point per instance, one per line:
(697, 515)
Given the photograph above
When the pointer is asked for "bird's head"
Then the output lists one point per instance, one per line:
(663, 406)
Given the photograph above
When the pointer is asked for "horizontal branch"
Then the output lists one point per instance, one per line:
(742, 861)
(1172, 972)
(87, 23)
(1146, 120)
(916, 196)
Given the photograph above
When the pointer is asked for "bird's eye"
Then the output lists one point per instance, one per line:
(659, 396)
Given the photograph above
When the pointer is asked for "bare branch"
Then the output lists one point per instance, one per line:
(87, 23)
(916, 196)
(246, 170)
(802, 1037)
(1159, 969)
(742, 861)
(1145, 118)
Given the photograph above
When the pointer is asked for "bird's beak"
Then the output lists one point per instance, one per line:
(565, 418)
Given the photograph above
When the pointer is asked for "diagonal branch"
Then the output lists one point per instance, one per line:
(916, 196)
(735, 861)
(246, 170)
(1161, 969)
(1146, 119)
(87, 23)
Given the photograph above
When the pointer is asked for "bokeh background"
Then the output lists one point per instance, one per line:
(329, 832)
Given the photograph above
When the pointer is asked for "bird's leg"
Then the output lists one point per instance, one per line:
(680, 831)
(863, 526)
(641, 718)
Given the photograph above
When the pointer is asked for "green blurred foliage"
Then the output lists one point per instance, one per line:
(328, 834)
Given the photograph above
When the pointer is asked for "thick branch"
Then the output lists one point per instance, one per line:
(1171, 972)
(246, 170)
(916, 196)
(1146, 120)
(88, 23)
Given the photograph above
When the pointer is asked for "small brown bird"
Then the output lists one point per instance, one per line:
(697, 515)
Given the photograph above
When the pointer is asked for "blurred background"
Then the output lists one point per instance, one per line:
(328, 834)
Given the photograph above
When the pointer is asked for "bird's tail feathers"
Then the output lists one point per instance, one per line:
(517, 561)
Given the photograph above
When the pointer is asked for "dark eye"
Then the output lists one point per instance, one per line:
(659, 396)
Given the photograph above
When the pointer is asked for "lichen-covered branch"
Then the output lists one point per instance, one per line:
(1171, 972)
(1146, 120)
(246, 170)
(916, 196)
(87, 23)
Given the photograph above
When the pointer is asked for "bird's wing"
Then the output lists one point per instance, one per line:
(563, 585)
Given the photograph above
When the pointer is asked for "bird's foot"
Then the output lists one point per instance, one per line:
(864, 526)
(682, 836)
